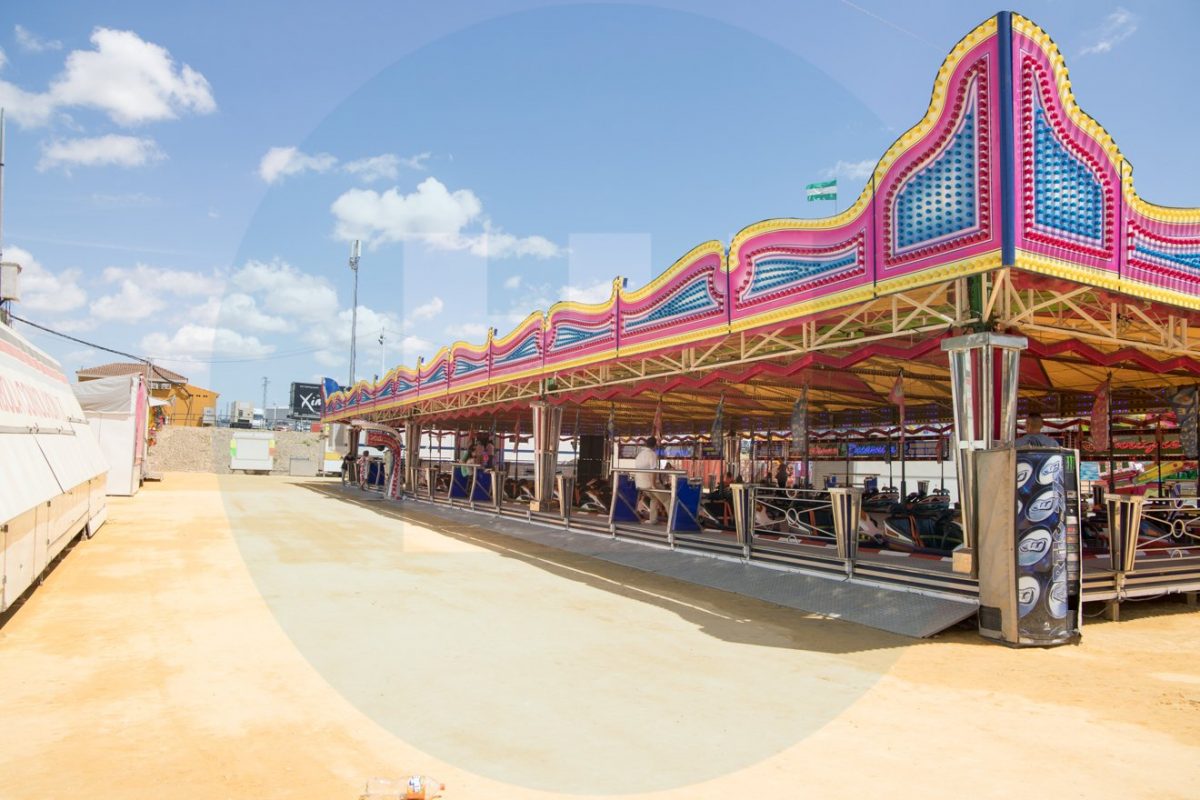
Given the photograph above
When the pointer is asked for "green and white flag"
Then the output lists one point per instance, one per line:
(825, 190)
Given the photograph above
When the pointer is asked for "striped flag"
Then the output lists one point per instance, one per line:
(823, 190)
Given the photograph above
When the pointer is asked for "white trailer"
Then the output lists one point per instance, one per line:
(52, 473)
(116, 410)
(252, 451)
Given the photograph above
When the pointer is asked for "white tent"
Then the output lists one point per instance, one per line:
(116, 410)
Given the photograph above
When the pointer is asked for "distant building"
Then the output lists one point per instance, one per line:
(186, 404)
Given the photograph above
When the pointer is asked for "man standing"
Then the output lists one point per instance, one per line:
(1033, 433)
(647, 458)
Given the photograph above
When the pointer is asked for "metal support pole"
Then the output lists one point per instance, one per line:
(412, 454)
(1124, 524)
(847, 508)
(743, 515)
(547, 429)
(355, 251)
(566, 497)
(984, 375)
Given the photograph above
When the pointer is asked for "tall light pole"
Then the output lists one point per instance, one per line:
(355, 252)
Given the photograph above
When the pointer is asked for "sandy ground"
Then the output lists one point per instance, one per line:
(252, 637)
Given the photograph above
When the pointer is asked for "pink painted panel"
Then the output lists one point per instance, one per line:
(468, 365)
(521, 352)
(693, 299)
(939, 201)
(572, 333)
(786, 266)
(1162, 253)
(434, 376)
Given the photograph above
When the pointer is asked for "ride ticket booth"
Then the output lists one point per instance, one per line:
(681, 500)
(1021, 506)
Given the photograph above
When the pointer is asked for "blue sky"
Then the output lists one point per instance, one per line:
(182, 182)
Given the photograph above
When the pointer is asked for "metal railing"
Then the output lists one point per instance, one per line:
(794, 514)
(1171, 523)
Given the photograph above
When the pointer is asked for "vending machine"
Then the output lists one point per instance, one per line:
(1028, 545)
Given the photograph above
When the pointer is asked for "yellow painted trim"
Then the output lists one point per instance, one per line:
(796, 311)
(1103, 279)
(512, 335)
(532, 372)
(675, 341)
(474, 385)
(673, 271)
(984, 262)
(474, 349)
(907, 141)
(582, 361)
(583, 308)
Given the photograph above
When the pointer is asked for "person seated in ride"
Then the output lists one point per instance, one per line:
(763, 519)
(724, 490)
(647, 483)
(485, 452)
(1033, 433)
(781, 474)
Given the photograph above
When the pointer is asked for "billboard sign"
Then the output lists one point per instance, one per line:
(306, 401)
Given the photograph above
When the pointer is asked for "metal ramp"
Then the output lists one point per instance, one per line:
(893, 609)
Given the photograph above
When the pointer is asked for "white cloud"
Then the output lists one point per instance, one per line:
(851, 170)
(468, 331)
(1116, 28)
(133, 302)
(287, 291)
(142, 288)
(433, 215)
(27, 109)
(3, 58)
(41, 288)
(495, 243)
(384, 167)
(193, 342)
(82, 356)
(238, 311)
(169, 281)
(333, 341)
(31, 43)
(129, 79)
(592, 293)
(280, 162)
(512, 282)
(428, 310)
(125, 200)
(110, 150)
(417, 162)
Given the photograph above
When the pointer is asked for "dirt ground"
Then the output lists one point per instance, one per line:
(255, 637)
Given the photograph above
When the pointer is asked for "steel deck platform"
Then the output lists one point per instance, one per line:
(866, 599)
